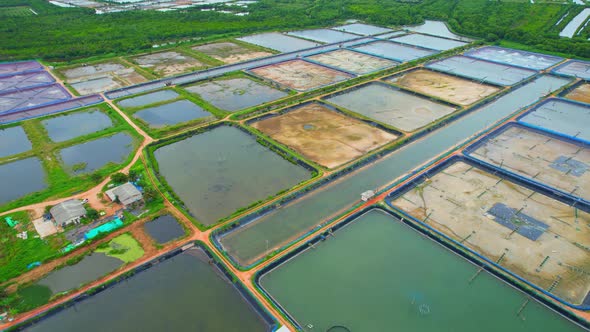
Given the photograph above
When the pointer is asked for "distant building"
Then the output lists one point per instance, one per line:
(367, 195)
(68, 212)
(126, 194)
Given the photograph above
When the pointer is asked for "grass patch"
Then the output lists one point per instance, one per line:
(123, 247)
(16, 254)
(31, 297)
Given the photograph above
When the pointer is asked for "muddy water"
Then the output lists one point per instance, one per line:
(88, 269)
(183, 293)
(171, 114)
(336, 285)
(222, 170)
(20, 178)
(282, 225)
(236, 94)
(64, 128)
(164, 229)
(150, 98)
(97, 153)
(13, 141)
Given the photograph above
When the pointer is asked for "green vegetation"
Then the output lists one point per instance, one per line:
(123, 247)
(90, 35)
(61, 181)
(16, 254)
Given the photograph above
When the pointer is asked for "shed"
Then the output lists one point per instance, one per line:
(67, 212)
(367, 195)
(127, 194)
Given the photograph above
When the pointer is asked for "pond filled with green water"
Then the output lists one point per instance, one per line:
(378, 274)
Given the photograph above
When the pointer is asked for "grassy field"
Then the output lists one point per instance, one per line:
(61, 182)
(16, 254)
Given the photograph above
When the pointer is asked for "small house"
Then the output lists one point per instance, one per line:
(68, 212)
(126, 194)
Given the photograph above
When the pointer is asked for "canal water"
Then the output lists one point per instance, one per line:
(219, 171)
(393, 279)
(183, 293)
(278, 227)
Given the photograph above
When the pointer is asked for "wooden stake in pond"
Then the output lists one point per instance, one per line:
(523, 306)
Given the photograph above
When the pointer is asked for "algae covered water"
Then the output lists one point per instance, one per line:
(378, 274)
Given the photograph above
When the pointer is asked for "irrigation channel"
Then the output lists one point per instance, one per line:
(277, 228)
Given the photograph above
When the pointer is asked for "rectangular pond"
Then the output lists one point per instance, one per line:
(164, 229)
(219, 171)
(93, 155)
(451, 88)
(278, 41)
(182, 293)
(32, 97)
(301, 75)
(561, 116)
(391, 106)
(410, 283)
(362, 29)
(229, 52)
(535, 236)
(485, 71)
(25, 80)
(436, 28)
(66, 127)
(394, 51)
(11, 68)
(352, 62)
(13, 140)
(236, 93)
(580, 93)
(324, 135)
(90, 268)
(266, 233)
(575, 68)
(435, 43)
(519, 58)
(323, 35)
(149, 98)
(537, 156)
(20, 178)
(171, 114)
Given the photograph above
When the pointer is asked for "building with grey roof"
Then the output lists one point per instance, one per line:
(127, 194)
(68, 212)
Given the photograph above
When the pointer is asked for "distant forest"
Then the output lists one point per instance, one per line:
(65, 33)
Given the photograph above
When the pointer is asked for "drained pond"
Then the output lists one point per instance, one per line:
(183, 293)
(409, 284)
(222, 170)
